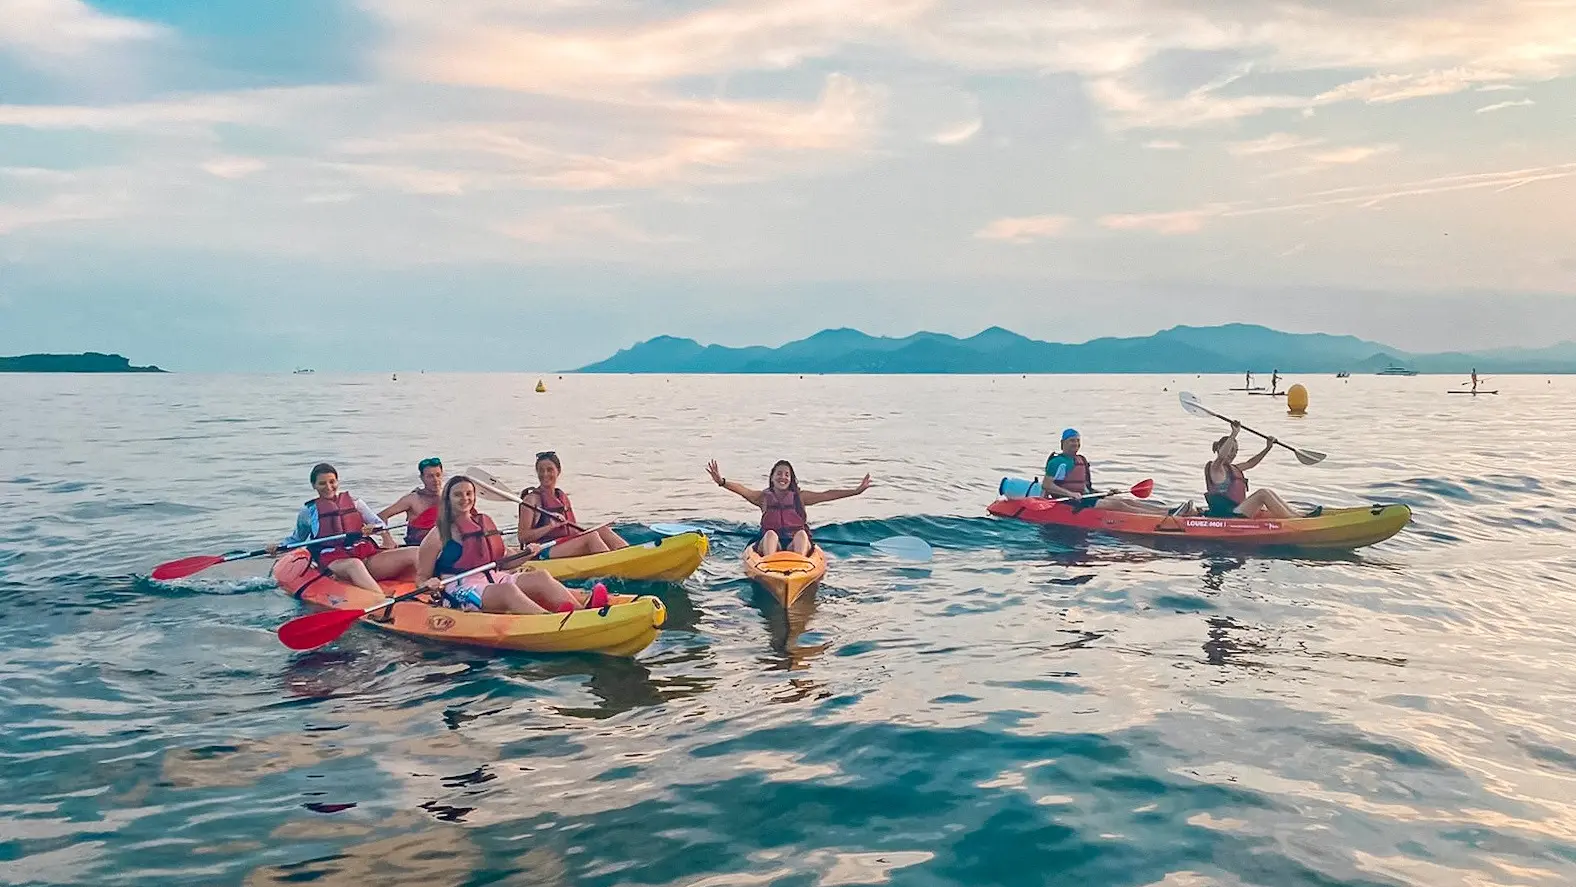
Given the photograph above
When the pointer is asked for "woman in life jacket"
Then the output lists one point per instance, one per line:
(784, 525)
(547, 514)
(356, 559)
(1226, 484)
(464, 539)
(420, 506)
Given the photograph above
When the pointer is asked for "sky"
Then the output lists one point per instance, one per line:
(490, 184)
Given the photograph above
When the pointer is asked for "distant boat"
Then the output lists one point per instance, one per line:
(303, 371)
(1343, 375)
(1394, 370)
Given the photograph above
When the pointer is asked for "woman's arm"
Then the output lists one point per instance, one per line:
(527, 533)
(749, 495)
(1269, 444)
(427, 557)
(810, 497)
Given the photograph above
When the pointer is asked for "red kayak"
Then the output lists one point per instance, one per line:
(1335, 528)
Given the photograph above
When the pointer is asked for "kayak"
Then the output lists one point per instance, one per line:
(787, 575)
(665, 559)
(625, 628)
(1336, 528)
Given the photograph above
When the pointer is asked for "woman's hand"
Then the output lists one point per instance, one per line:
(272, 548)
(1235, 427)
(863, 485)
(433, 585)
(716, 473)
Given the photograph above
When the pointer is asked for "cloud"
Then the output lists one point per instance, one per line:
(1275, 141)
(1163, 145)
(1350, 154)
(570, 225)
(57, 209)
(259, 106)
(233, 167)
(1170, 223)
(959, 134)
(56, 30)
(1498, 106)
(1025, 229)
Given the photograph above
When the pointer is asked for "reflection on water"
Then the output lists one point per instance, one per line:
(1033, 707)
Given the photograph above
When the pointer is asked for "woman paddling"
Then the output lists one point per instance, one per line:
(356, 560)
(546, 515)
(783, 521)
(420, 506)
(464, 539)
(1226, 484)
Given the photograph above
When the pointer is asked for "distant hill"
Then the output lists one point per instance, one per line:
(1231, 348)
(86, 362)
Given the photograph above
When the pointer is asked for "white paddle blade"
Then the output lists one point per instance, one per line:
(1308, 457)
(1192, 404)
(910, 548)
(490, 487)
(675, 529)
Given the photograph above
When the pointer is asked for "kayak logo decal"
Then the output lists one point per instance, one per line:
(1231, 524)
(335, 600)
(440, 622)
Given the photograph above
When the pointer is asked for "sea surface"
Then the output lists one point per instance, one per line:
(1028, 708)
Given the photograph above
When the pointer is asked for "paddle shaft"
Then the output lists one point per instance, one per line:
(1278, 441)
(522, 503)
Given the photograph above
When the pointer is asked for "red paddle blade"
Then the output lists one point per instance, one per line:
(185, 566)
(1143, 488)
(317, 629)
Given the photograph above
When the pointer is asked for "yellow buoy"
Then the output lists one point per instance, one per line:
(540, 388)
(1297, 400)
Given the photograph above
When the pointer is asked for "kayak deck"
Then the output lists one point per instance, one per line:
(1336, 528)
(787, 575)
(665, 559)
(625, 628)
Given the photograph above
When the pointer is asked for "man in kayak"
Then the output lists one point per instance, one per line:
(355, 559)
(1068, 477)
(419, 506)
(464, 539)
(784, 525)
(1226, 484)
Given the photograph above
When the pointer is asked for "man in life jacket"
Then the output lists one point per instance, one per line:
(1068, 477)
(354, 559)
(419, 506)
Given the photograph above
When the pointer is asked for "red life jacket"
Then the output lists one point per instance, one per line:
(417, 528)
(1079, 477)
(1234, 487)
(782, 511)
(479, 540)
(335, 516)
(558, 507)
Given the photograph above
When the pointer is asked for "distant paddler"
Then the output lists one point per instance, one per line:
(784, 524)
(420, 505)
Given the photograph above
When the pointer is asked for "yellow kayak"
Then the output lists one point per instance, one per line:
(667, 559)
(786, 574)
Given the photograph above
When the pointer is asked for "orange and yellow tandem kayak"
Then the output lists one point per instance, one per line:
(626, 627)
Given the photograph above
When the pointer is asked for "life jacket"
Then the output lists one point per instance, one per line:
(782, 511)
(1234, 487)
(417, 528)
(335, 516)
(1079, 477)
(476, 541)
(558, 507)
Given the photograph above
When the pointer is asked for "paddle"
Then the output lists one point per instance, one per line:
(494, 488)
(907, 547)
(317, 629)
(1142, 489)
(187, 566)
(1192, 405)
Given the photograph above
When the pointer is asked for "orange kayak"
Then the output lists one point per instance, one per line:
(627, 627)
(1336, 528)
(786, 574)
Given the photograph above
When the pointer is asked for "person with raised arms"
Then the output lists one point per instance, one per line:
(784, 524)
(420, 505)
(357, 560)
(1226, 484)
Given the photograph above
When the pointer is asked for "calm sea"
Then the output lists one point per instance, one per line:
(1027, 709)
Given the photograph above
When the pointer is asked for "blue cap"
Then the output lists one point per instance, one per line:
(1069, 432)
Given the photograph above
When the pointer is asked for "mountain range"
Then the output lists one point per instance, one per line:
(1230, 348)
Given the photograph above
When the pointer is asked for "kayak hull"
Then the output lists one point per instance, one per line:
(629, 625)
(788, 575)
(666, 559)
(1336, 528)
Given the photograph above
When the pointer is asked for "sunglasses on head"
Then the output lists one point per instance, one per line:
(425, 464)
(546, 454)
